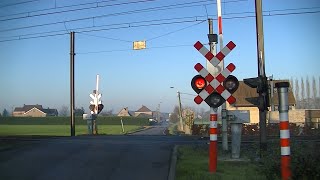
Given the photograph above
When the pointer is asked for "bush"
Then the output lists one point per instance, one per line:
(305, 161)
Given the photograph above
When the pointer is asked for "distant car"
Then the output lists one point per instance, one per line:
(152, 120)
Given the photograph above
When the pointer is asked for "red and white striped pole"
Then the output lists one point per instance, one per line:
(224, 105)
(220, 25)
(213, 147)
(282, 88)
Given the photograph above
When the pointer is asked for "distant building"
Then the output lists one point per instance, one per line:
(245, 91)
(143, 112)
(34, 111)
(125, 112)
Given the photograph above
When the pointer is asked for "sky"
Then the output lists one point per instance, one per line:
(35, 48)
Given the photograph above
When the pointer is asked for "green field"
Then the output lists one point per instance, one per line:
(60, 126)
(61, 130)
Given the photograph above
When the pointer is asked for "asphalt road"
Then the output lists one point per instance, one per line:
(131, 157)
(154, 130)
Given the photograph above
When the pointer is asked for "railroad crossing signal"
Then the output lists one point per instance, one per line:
(261, 84)
(96, 105)
(214, 90)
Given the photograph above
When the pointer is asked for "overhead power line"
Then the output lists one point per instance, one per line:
(118, 50)
(92, 5)
(158, 8)
(18, 3)
(175, 31)
(150, 39)
(116, 39)
(100, 28)
(128, 25)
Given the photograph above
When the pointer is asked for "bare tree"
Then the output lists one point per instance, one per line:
(107, 112)
(297, 93)
(314, 92)
(302, 94)
(291, 83)
(319, 87)
(308, 92)
(64, 111)
(174, 117)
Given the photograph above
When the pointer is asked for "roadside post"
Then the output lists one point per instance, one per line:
(122, 125)
(88, 118)
(236, 118)
(282, 88)
(214, 90)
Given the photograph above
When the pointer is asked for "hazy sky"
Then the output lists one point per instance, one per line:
(35, 70)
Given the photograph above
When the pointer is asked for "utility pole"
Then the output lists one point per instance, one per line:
(159, 113)
(72, 54)
(180, 111)
(263, 95)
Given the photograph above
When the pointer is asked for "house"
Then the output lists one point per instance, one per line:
(34, 111)
(245, 91)
(125, 112)
(144, 112)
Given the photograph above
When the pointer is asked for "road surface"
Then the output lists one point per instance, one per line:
(153, 130)
(131, 157)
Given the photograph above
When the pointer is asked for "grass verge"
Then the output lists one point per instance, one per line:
(193, 164)
(61, 130)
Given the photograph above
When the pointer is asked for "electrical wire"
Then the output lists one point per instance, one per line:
(116, 39)
(37, 35)
(18, 3)
(118, 50)
(101, 16)
(95, 5)
(158, 8)
(175, 31)
(117, 26)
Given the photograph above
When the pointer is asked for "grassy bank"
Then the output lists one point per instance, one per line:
(193, 164)
(305, 162)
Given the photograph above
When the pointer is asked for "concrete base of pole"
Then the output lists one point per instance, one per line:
(224, 128)
(187, 130)
(95, 127)
(236, 130)
(90, 126)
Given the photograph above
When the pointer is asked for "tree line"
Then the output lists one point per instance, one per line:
(306, 92)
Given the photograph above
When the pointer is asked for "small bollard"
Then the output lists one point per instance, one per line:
(236, 130)
(282, 88)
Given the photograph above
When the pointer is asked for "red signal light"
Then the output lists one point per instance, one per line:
(200, 83)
